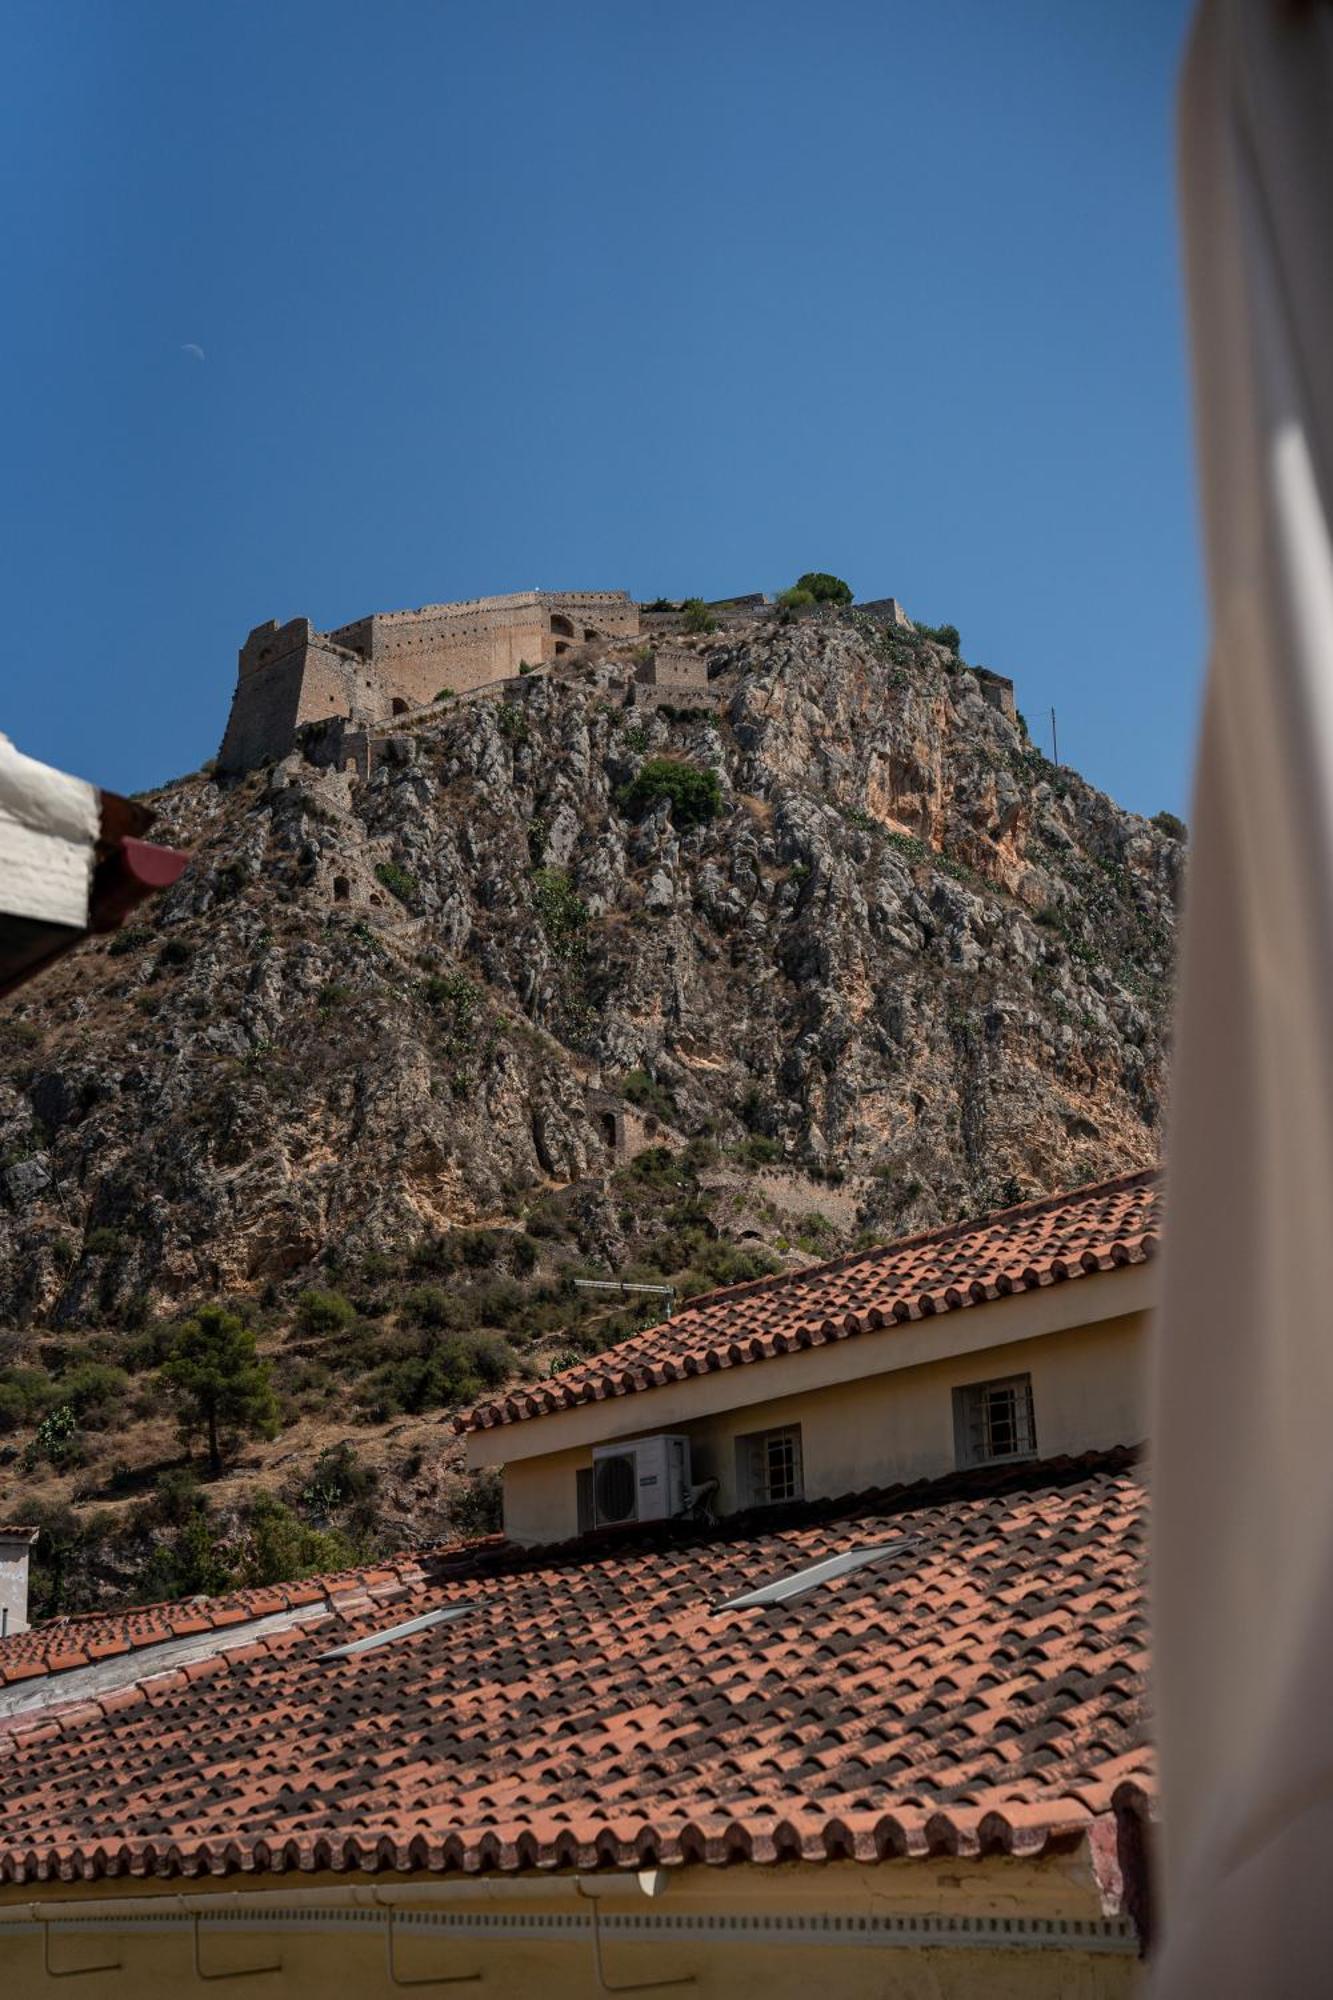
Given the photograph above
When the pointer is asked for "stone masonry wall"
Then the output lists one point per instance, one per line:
(674, 674)
(288, 676)
(291, 675)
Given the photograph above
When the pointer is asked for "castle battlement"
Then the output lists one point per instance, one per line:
(392, 662)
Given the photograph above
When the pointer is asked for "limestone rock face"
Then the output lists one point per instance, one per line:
(908, 954)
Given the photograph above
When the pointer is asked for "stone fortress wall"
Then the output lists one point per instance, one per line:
(396, 661)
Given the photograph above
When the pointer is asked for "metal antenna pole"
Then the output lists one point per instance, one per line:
(1055, 741)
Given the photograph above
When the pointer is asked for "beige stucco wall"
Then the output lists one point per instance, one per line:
(870, 1430)
(695, 1931)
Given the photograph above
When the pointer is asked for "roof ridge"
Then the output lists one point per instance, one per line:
(946, 1232)
(690, 1340)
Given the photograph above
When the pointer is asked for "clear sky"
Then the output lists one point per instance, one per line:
(318, 307)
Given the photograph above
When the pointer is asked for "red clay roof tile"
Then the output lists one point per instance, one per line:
(66, 1643)
(1056, 1241)
(595, 1708)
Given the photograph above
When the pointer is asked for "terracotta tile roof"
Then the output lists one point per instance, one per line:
(10, 1532)
(65, 1643)
(980, 1690)
(1050, 1242)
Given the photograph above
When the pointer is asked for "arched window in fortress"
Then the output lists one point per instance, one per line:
(563, 625)
(342, 888)
(399, 706)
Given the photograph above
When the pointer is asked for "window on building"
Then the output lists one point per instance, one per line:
(768, 1466)
(993, 1421)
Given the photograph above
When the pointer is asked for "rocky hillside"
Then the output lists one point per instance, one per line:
(886, 966)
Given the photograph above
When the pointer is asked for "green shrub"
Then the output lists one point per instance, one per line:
(694, 795)
(105, 1243)
(561, 911)
(698, 618)
(323, 1312)
(129, 939)
(445, 694)
(943, 635)
(478, 1248)
(642, 1089)
(190, 1562)
(660, 1166)
(512, 724)
(907, 845)
(431, 1306)
(149, 1348)
(662, 604)
(399, 882)
(523, 1254)
(795, 599)
(433, 1253)
(229, 880)
(458, 1368)
(94, 1390)
(26, 1394)
(478, 1509)
(525, 667)
(1173, 828)
(176, 951)
(339, 1482)
(759, 1151)
(177, 1496)
(280, 1547)
(56, 1436)
(823, 588)
(453, 991)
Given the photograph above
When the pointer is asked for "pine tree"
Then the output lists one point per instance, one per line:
(223, 1383)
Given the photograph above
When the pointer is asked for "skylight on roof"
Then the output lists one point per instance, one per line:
(446, 1616)
(803, 1580)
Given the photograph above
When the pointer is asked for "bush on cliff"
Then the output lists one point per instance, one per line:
(695, 796)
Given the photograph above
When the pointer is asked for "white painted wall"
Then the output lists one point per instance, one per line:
(14, 1584)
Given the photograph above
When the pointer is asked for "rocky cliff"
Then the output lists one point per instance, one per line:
(906, 960)
(570, 985)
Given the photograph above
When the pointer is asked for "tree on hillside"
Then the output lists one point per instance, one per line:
(216, 1370)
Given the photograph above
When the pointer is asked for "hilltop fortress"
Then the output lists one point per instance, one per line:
(292, 679)
(396, 661)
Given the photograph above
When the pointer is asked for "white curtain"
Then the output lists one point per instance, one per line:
(1243, 1424)
(48, 833)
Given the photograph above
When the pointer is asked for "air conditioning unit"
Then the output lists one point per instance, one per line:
(647, 1480)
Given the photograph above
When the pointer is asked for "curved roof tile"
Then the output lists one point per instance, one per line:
(1056, 1241)
(981, 1690)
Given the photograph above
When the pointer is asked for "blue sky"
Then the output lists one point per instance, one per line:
(680, 299)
